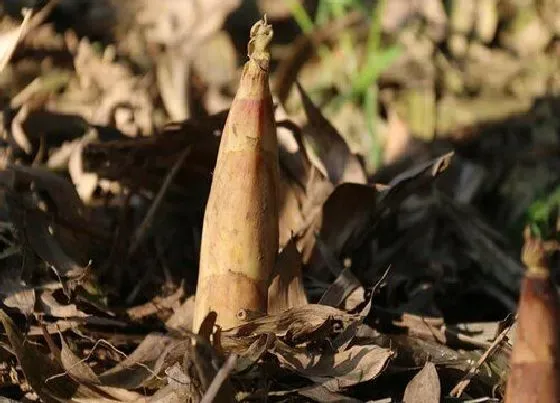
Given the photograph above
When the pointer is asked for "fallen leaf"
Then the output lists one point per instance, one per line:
(320, 393)
(155, 353)
(36, 197)
(50, 306)
(182, 316)
(334, 157)
(255, 351)
(180, 27)
(300, 322)
(344, 215)
(340, 289)
(121, 92)
(398, 138)
(48, 379)
(75, 367)
(399, 189)
(158, 305)
(424, 387)
(205, 363)
(85, 182)
(22, 298)
(286, 289)
(335, 371)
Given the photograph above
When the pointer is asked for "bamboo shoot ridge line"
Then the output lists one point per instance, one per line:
(240, 232)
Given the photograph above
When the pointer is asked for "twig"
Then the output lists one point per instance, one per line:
(30, 21)
(463, 383)
(11, 46)
(88, 358)
(381, 280)
(40, 16)
(142, 229)
(219, 379)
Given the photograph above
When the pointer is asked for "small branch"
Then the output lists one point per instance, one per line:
(219, 379)
(463, 383)
(142, 229)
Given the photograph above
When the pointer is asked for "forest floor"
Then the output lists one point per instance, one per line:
(417, 141)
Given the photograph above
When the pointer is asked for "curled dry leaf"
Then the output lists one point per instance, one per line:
(158, 305)
(163, 358)
(204, 364)
(85, 182)
(340, 289)
(17, 135)
(301, 199)
(399, 189)
(333, 156)
(178, 389)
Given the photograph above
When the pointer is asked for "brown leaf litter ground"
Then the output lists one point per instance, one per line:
(397, 277)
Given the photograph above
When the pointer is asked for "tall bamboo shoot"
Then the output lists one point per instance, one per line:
(240, 231)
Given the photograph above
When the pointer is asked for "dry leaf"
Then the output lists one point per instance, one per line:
(340, 289)
(300, 322)
(38, 196)
(255, 351)
(286, 289)
(180, 27)
(334, 157)
(75, 367)
(50, 306)
(424, 387)
(47, 377)
(159, 304)
(85, 182)
(320, 393)
(124, 102)
(335, 371)
(182, 316)
(345, 213)
(155, 353)
(398, 138)
(21, 298)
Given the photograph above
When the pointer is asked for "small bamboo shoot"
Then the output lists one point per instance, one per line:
(534, 365)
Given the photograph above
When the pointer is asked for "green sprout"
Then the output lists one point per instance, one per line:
(363, 73)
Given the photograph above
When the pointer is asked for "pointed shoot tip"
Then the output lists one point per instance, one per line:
(260, 36)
